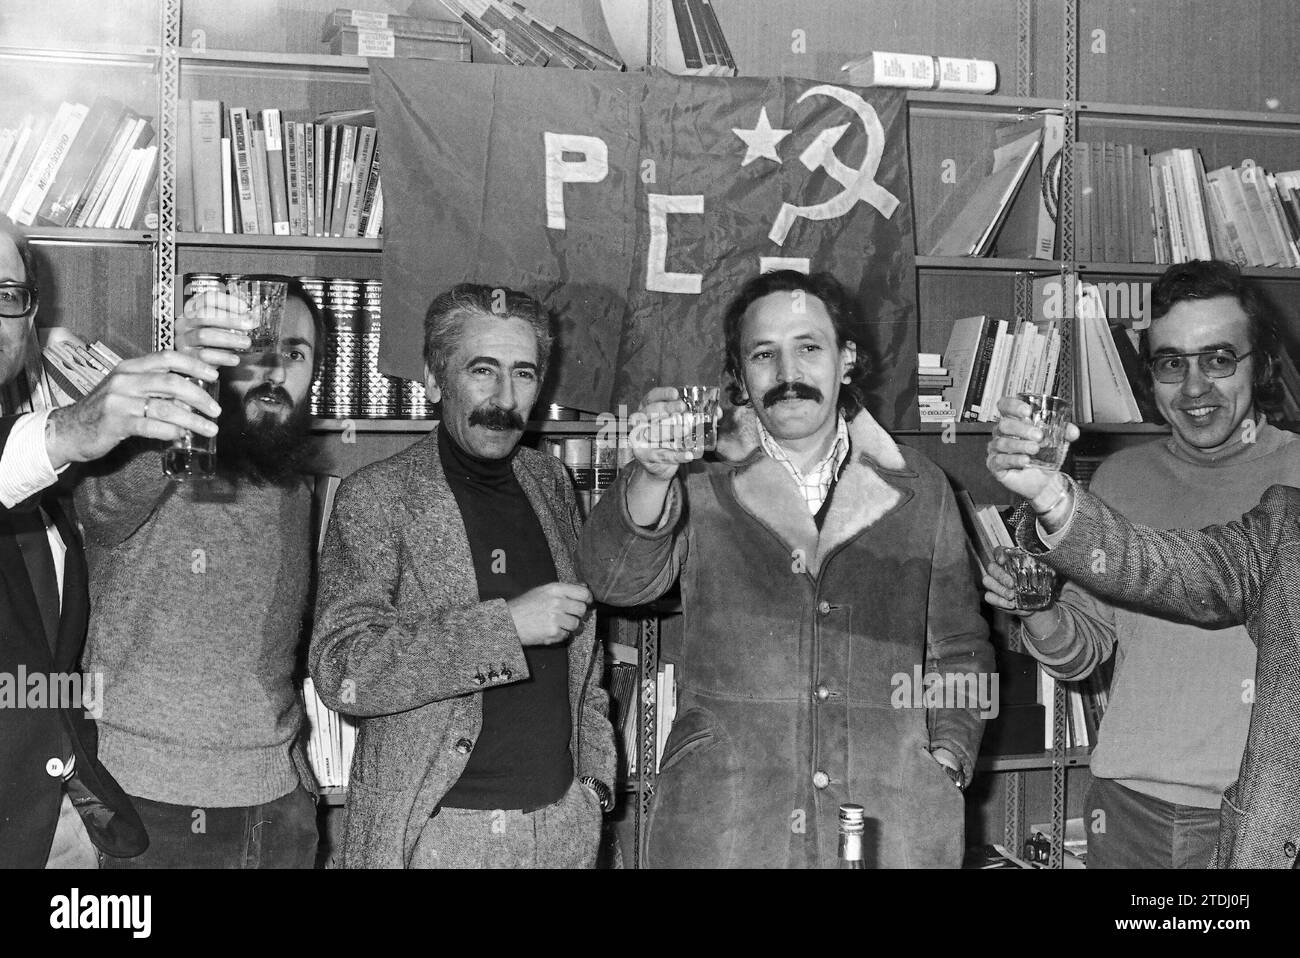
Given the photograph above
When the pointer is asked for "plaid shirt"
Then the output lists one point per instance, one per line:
(816, 485)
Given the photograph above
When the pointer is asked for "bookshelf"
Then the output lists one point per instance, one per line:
(1160, 74)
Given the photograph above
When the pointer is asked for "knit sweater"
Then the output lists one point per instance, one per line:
(197, 594)
(1180, 697)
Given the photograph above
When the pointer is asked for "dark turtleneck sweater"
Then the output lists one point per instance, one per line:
(521, 759)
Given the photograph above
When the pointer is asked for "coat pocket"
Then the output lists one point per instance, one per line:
(693, 731)
(698, 815)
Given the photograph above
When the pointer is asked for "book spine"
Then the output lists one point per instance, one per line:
(292, 176)
(375, 225)
(360, 173)
(228, 203)
(261, 179)
(205, 149)
(343, 179)
(19, 160)
(278, 200)
(45, 166)
(372, 190)
(241, 142)
(719, 38)
(309, 179)
(398, 23)
(692, 55)
(979, 379)
(84, 155)
(330, 171)
(98, 180)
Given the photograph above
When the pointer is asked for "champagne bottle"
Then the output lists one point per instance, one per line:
(853, 823)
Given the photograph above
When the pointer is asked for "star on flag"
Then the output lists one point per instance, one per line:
(761, 141)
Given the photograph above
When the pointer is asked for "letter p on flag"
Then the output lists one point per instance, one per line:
(592, 168)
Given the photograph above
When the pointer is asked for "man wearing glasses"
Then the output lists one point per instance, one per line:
(59, 807)
(1180, 702)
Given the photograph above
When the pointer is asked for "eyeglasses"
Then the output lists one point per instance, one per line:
(16, 299)
(1214, 364)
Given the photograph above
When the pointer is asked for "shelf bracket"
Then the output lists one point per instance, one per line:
(165, 249)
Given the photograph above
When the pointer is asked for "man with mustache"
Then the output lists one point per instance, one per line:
(198, 591)
(819, 574)
(1173, 735)
(450, 620)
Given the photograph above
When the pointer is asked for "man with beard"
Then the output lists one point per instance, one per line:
(198, 591)
(821, 575)
(449, 618)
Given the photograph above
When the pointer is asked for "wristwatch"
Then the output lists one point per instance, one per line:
(601, 790)
(956, 776)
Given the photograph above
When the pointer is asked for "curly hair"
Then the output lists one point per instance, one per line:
(840, 307)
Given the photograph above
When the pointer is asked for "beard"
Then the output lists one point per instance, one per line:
(267, 449)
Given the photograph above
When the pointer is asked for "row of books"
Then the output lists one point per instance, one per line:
(60, 368)
(509, 33)
(989, 358)
(695, 44)
(90, 166)
(1163, 207)
(1014, 204)
(254, 172)
(624, 680)
(370, 33)
(331, 739)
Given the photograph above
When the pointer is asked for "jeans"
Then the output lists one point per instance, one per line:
(1139, 831)
(563, 835)
(278, 834)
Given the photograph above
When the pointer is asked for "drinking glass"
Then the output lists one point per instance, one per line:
(1052, 415)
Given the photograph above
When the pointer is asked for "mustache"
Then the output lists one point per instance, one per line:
(269, 391)
(795, 390)
(494, 417)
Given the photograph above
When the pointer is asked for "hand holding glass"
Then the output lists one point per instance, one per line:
(1052, 415)
(1035, 579)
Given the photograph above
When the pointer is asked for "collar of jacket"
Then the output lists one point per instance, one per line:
(867, 490)
(427, 490)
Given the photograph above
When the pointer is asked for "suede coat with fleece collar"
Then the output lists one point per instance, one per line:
(794, 646)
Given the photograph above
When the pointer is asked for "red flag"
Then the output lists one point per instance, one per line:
(635, 206)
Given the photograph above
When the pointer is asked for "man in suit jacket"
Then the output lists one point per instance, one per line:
(450, 620)
(58, 806)
(1245, 572)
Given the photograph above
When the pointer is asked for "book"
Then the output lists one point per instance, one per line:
(47, 162)
(346, 161)
(1110, 396)
(399, 23)
(261, 178)
(972, 231)
(273, 135)
(600, 59)
(309, 179)
(965, 340)
(388, 44)
(980, 374)
(922, 72)
(360, 174)
(241, 142)
(371, 194)
(292, 176)
(20, 155)
(92, 141)
(1030, 230)
(227, 186)
(120, 141)
(996, 373)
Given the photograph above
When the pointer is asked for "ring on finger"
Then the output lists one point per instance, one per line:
(145, 413)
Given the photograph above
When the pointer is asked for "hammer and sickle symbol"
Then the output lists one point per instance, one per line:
(859, 184)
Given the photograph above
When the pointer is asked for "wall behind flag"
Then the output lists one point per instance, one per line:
(635, 205)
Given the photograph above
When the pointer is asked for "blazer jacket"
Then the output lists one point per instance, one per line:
(1242, 573)
(30, 737)
(403, 642)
